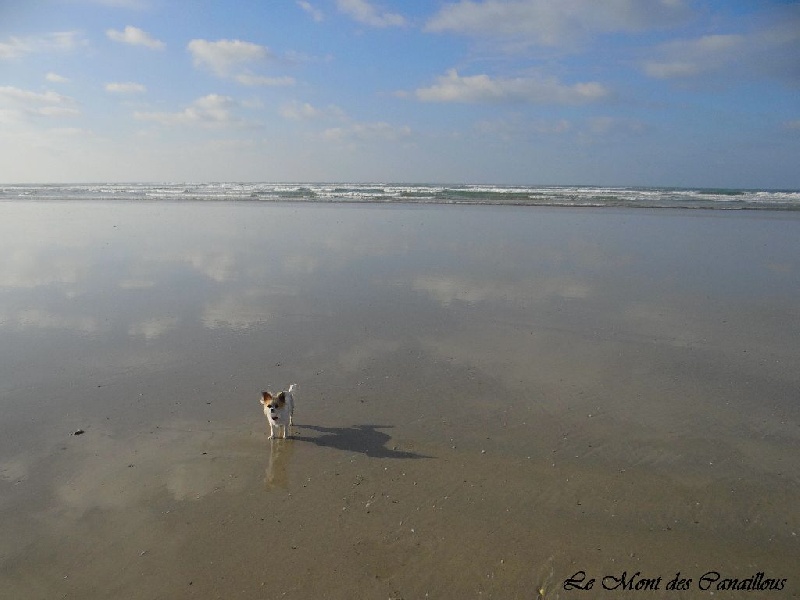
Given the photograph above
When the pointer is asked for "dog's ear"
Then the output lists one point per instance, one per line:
(265, 397)
(282, 397)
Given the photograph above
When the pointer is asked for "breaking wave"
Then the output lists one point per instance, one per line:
(572, 196)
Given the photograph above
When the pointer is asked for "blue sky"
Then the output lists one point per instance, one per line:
(609, 92)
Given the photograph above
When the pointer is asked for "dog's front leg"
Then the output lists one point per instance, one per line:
(271, 431)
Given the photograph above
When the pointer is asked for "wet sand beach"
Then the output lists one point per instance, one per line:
(491, 401)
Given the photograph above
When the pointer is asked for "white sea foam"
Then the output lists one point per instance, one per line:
(577, 196)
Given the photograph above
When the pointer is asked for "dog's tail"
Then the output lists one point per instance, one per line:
(291, 387)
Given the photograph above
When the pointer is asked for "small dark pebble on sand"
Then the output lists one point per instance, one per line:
(78, 432)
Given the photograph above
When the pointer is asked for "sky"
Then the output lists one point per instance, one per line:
(694, 93)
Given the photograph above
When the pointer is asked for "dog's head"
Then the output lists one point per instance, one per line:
(273, 404)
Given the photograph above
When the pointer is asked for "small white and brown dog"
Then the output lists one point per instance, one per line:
(279, 410)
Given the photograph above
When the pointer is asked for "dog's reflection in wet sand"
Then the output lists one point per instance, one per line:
(277, 475)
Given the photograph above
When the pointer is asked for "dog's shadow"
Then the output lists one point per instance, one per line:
(365, 439)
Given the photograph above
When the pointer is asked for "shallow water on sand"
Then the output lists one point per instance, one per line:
(490, 401)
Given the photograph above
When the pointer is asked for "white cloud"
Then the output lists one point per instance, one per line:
(551, 23)
(604, 126)
(363, 12)
(312, 11)
(252, 103)
(583, 130)
(300, 112)
(62, 41)
(56, 78)
(68, 132)
(14, 47)
(16, 102)
(213, 110)
(231, 59)
(261, 80)
(690, 58)
(135, 37)
(127, 87)
(452, 87)
(508, 129)
(56, 111)
(364, 132)
(771, 50)
(224, 56)
(297, 111)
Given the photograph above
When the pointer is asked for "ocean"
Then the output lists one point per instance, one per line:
(571, 196)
